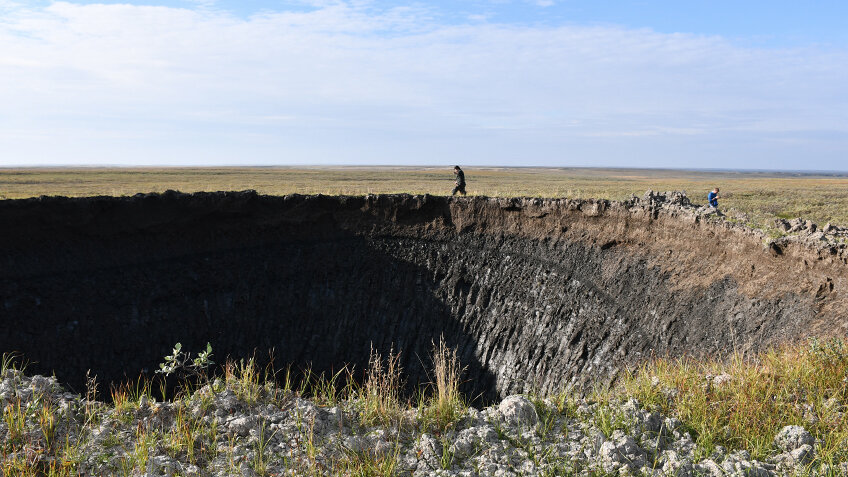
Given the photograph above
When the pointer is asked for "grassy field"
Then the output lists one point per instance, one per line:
(763, 196)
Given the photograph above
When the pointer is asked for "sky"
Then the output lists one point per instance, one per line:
(696, 84)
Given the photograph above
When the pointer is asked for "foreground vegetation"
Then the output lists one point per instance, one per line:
(724, 405)
(742, 403)
(44, 437)
(761, 196)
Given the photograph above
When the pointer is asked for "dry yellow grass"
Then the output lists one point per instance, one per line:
(796, 384)
(763, 196)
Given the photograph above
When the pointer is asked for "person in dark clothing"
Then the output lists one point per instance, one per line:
(460, 181)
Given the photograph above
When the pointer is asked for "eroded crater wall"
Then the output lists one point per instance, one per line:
(535, 294)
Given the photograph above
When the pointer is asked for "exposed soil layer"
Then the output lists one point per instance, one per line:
(535, 294)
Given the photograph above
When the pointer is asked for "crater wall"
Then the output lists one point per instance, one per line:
(535, 294)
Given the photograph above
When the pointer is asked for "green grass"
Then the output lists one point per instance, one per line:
(446, 405)
(762, 196)
(803, 384)
(379, 398)
(608, 419)
(366, 464)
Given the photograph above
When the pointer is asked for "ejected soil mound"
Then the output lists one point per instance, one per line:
(534, 293)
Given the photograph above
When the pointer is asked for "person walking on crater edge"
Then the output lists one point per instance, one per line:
(460, 181)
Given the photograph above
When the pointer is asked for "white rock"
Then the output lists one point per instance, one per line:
(383, 448)
(708, 468)
(803, 455)
(357, 443)
(227, 402)
(722, 379)
(428, 448)
(242, 425)
(621, 450)
(40, 385)
(518, 411)
(793, 437)
(161, 463)
(473, 440)
(672, 464)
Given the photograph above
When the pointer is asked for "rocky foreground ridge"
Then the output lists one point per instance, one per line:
(244, 429)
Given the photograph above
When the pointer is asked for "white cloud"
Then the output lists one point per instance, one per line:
(202, 3)
(344, 82)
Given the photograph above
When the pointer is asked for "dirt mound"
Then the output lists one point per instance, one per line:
(534, 293)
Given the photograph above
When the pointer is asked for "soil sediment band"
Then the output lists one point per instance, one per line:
(535, 294)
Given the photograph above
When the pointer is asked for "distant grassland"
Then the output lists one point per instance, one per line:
(762, 196)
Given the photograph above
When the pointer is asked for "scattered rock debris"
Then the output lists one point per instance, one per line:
(222, 429)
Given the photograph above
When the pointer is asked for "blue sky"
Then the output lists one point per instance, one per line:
(768, 22)
(697, 84)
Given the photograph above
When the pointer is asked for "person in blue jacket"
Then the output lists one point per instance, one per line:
(713, 198)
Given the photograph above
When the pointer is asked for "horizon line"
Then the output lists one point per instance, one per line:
(421, 166)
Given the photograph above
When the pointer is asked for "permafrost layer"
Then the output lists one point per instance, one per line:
(535, 294)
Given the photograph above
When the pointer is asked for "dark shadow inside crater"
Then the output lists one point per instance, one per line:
(317, 304)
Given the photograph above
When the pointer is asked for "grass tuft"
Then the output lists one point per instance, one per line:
(379, 398)
(11, 362)
(447, 405)
(244, 378)
(742, 403)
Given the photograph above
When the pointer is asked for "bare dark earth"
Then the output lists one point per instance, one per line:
(535, 294)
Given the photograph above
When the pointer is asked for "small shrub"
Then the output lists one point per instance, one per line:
(180, 362)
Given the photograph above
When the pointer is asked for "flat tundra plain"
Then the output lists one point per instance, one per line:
(756, 198)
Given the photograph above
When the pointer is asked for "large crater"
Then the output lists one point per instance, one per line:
(534, 294)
